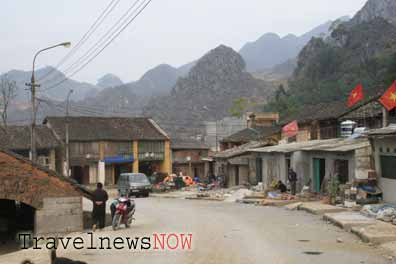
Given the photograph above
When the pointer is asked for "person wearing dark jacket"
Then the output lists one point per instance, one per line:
(99, 206)
(293, 181)
(282, 187)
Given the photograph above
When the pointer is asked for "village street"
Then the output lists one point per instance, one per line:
(226, 233)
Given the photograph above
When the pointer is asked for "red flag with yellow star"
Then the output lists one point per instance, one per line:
(388, 100)
(291, 129)
(356, 96)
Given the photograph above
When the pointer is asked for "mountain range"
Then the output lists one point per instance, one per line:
(207, 92)
(362, 50)
(315, 63)
(271, 50)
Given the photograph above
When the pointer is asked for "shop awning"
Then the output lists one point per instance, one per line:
(119, 159)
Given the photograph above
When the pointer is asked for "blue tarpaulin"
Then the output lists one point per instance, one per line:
(119, 159)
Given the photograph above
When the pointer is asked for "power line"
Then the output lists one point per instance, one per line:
(105, 37)
(142, 7)
(99, 20)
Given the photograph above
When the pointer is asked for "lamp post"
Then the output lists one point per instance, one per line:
(189, 166)
(67, 134)
(33, 86)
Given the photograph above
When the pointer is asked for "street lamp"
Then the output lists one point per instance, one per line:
(33, 87)
(67, 134)
(189, 166)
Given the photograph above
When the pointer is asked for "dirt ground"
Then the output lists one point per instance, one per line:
(225, 233)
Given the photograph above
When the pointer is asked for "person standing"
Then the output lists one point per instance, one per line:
(99, 206)
(293, 181)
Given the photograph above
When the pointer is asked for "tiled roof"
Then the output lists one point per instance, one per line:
(338, 109)
(107, 128)
(251, 134)
(37, 181)
(18, 138)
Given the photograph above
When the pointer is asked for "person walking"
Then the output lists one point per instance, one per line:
(99, 207)
(293, 181)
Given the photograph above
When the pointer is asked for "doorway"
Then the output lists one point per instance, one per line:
(342, 169)
(319, 172)
(80, 174)
(15, 217)
(259, 170)
(236, 175)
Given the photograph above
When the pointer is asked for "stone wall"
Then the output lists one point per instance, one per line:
(59, 215)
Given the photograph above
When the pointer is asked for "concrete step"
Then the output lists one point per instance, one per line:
(378, 233)
(347, 220)
(319, 208)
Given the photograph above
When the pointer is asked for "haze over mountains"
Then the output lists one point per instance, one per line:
(362, 50)
(271, 50)
(208, 91)
(206, 88)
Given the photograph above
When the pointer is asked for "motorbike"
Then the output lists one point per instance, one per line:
(123, 211)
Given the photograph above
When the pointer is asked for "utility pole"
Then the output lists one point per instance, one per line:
(67, 134)
(217, 138)
(385, 117)
(33, 86)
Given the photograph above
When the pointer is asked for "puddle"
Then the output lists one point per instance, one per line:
(313, 252)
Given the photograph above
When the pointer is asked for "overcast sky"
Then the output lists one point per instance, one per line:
(168, 31)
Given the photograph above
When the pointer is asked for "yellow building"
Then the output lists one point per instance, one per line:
(102, 148)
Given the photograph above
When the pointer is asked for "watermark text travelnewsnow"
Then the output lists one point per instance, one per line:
(156, 241)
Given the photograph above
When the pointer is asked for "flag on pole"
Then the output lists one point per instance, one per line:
(291, 129)
(388, 100)
(356, 96)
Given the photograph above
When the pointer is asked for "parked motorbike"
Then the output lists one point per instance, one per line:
(123, 210)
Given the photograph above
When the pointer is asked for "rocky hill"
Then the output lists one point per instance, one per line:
(109, 80)
(130, 98)
(385, 9)
(208, 91)
(271, 50)
(360, 51)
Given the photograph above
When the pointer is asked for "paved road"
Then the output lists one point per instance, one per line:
(227, 233)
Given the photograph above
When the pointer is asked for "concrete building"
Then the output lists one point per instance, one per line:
(238, 165)
(101, 148)
(37, 200)
(190, 157)
(316, 160)
(383, 142)
(17, 140)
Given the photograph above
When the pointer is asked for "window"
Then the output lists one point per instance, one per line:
(388, 167)
(151, 150)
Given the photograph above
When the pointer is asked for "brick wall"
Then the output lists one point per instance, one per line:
(59, 215)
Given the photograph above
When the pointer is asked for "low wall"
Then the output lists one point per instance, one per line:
(59, 215)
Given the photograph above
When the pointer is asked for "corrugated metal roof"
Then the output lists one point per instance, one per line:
(237, 151)
(390, 130)
(333, 145)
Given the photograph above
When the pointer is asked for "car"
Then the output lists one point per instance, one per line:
(134, 184)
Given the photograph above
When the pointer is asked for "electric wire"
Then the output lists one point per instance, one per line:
(99, 20)
(142, 8)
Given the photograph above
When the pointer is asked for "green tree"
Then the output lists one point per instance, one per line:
(239, 107)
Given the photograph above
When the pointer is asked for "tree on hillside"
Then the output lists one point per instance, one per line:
(239, 107)
(8, 90)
